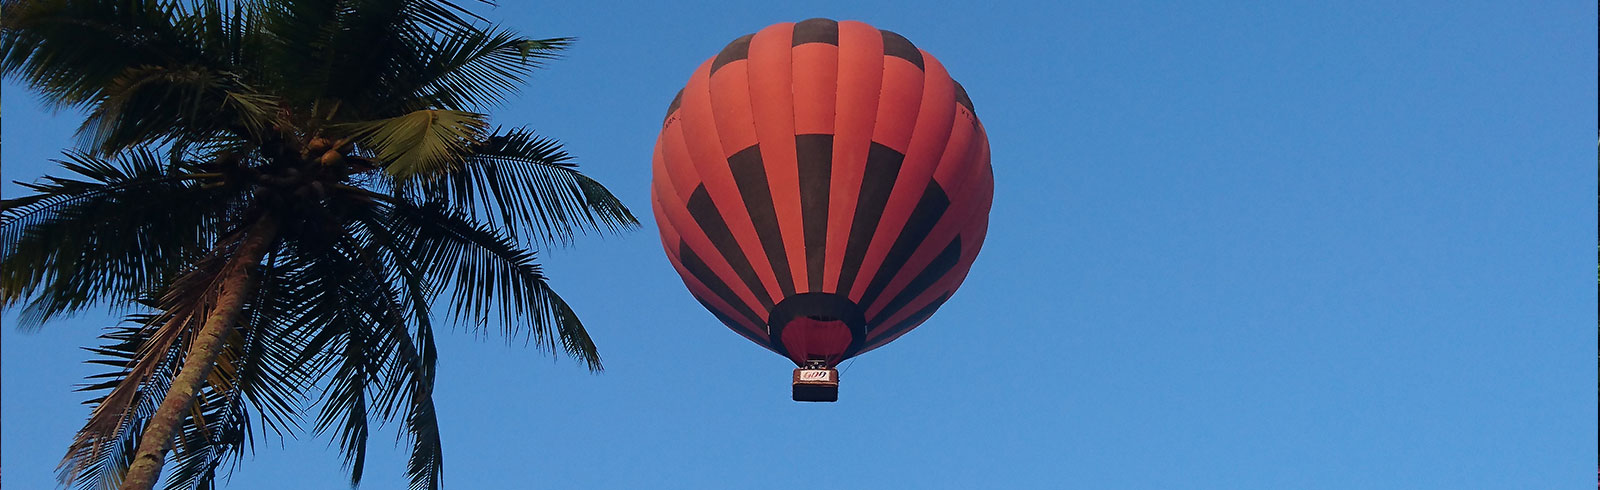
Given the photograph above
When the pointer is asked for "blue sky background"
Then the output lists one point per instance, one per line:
(1273, 245)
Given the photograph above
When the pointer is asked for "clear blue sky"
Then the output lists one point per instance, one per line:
(1279, 245)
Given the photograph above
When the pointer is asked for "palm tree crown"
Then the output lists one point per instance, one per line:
(282, 188)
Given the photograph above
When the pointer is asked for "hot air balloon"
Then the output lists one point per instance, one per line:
(822, 188)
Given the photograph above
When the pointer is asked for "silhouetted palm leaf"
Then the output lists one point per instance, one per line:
(121, 229)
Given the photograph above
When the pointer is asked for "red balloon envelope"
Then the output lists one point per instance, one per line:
(822, 187)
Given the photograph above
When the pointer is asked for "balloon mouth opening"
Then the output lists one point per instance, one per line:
(817, 328)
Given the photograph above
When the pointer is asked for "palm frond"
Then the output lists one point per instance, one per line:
(351, 313)
(425, 467)
(157, 104)
(423, 143)
(408, 386)
(409, 380)
(526, 185)
(256, 113)
(124, 227)
(99, 464)
(70, 51)
(480, 67)
(495, 282)
(442, 16)
(269, 379)
(313, 52)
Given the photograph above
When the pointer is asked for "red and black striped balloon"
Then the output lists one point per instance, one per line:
(822, 187)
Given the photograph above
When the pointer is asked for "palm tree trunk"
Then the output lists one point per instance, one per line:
(236, 287)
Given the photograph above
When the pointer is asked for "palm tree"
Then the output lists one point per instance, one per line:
(280, 189)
